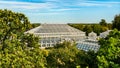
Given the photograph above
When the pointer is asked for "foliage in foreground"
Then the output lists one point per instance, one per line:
(109, 53)
(18, 50)
(66, 55)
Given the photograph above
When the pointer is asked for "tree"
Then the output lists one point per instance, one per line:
(116, 22)
(110, 26)
(12, 23)
(30, 40)
(78, 26)
(18, 50)
(35, 25)
(103, 22)
(66, 55)
(109, 53)
(87, 59)
(87, 29)
(96, 29)
(103, 28)
(62, 56)
(15, 56)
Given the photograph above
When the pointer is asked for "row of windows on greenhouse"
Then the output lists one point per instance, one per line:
(59, 34)
(87, 47)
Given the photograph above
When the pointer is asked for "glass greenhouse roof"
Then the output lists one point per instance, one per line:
(54, 28)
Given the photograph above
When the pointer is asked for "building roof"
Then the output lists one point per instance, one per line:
(104, 34)
(87, 45)
(92, 34)
(53, 28)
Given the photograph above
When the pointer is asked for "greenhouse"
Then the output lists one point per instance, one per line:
(88, 45)
(51, 34)
(91, 43)
(104, 34)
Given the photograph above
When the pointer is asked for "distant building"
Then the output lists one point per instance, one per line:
(91, 43)
(92, 36)
(104, 34)
(51, 34)
(88, 45)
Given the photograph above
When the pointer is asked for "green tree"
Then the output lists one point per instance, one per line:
(104, 25)
(78, 26)
(96, 29)
(35, 25)
(109, 53)
(15, 56)
(103, 28)
(30, 40)
(12, 23)
(66, 55)
(116, 22)
(110, 26)
(103, 22)
(87, 29)
(18, 50)
(63, 56)
(87, 59)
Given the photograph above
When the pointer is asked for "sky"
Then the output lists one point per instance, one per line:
(64, 11)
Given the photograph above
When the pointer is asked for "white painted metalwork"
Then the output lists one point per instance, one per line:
(88, 45)
(104, 34)
(51, 34)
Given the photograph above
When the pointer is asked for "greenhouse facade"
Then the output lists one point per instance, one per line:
(51, 34)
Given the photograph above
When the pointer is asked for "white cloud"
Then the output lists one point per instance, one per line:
(54, 5)
(64, 9)
(39, 7)
(25, 5)
(97, 3)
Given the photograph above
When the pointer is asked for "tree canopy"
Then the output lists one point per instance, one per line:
(18, 50)
(116, 22)
(109, 53)
(103, 22)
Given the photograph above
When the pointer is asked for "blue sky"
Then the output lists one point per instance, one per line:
(64, 11)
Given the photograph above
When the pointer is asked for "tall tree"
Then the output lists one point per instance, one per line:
(87, 29)
(103, 22)
(18, 50)
(116, 22)
(12, 23)
(96, 29)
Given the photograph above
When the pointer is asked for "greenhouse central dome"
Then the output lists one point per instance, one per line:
(51, 34)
